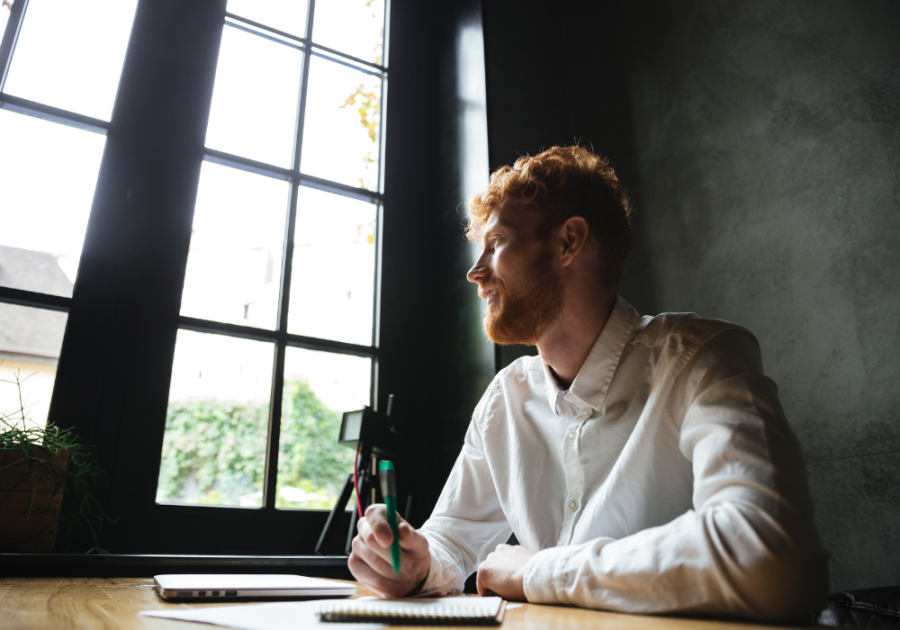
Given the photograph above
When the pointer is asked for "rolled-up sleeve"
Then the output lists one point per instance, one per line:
(468, 521)
(749, 546)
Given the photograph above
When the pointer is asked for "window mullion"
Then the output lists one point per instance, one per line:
(310, 15)
(24, 297)
(9, 36)
(271, 475)
(270, 482)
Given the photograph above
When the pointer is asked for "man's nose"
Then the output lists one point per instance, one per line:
(478, 272)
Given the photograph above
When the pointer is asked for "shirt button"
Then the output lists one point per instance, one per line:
(573, 505)
(572, 436)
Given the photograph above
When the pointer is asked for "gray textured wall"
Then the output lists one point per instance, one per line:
(761, 144)
(767, 138)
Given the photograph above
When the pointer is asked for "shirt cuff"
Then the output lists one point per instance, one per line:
(549, 572)
(436, 582)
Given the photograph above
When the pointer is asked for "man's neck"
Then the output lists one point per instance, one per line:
(568, 342)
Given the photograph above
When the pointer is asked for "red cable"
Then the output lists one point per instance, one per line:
(355, 484)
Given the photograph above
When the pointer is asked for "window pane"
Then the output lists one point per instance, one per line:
(355, 27)
(288, 16)
(44, 207)
(318, 388)
(30, 342)
(333, 277)
(70, 54)
(214, 450)
(234, 264)
(254, 104)
(343, 125)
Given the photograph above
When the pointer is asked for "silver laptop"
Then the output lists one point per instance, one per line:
(226, 587)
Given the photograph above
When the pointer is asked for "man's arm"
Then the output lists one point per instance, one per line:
(749, 547)
(466, 524)
(468, 521)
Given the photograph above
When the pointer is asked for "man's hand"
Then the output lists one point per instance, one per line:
(503, 573)
(370, 561)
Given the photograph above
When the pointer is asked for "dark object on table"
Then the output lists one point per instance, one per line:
(874, 608)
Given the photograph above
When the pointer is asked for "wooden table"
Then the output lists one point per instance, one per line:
(101, 603)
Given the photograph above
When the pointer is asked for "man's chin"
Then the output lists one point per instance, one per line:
(504, 335)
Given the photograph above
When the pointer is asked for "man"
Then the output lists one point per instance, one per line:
(643, 463)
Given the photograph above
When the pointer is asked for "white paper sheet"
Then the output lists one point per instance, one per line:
(275, 616)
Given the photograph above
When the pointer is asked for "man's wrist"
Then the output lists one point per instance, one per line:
(528, 575)
(418, 588)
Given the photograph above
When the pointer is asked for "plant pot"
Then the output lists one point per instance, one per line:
(31, 491)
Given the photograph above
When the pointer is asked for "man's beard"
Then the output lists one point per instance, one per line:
(524, 314)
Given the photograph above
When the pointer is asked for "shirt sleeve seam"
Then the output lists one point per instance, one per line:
(477, 418)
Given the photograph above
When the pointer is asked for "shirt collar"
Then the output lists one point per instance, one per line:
(593, 379)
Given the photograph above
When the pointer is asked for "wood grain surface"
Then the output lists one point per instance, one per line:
(101, 603)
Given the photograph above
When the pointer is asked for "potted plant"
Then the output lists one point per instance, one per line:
(38, 467)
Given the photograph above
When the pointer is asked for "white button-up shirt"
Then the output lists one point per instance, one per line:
(665, 479)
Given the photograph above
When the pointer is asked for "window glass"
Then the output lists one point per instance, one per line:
(234, 265)
(255, 99)
(288, 16)
(46, 190)
(333, 271)
(342, 130)
(70, 54)
(30, 341)
(318, 388)
(355, 27)
(214, 449)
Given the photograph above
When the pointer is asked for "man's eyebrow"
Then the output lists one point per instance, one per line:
(494, 228)
(513, 223)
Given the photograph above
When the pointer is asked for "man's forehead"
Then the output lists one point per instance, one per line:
(510, 215)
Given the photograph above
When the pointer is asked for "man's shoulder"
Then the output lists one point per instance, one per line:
(687, 329)
(525, 371)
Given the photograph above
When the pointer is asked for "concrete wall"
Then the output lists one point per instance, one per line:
(761, 145)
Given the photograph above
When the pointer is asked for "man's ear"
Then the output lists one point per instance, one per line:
(573, 234)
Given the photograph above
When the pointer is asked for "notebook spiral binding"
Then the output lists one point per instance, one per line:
(412, 615)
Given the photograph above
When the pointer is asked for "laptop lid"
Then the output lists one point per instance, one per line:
(213, 587)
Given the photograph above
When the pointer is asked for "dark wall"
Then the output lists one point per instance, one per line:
(761, 146)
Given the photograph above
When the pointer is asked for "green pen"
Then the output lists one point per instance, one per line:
(389, 490)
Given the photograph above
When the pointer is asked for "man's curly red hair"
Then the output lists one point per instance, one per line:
(561, 183)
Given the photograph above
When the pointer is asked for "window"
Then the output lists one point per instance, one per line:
(278, 317)
(170, 275)
(277, 330)
(55, 111)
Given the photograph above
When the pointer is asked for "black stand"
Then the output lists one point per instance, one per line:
(368, 486)
(368, 432)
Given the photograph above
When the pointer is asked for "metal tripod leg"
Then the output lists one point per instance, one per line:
(346, 491)
(354, 518)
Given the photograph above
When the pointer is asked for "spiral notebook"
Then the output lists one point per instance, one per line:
(445, 610)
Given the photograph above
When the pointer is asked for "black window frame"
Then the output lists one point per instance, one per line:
(280, 335)
(113, 374)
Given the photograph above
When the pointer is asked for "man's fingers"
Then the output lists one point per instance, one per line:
(374, 529)
(374, 558)
(481, 585)
(376, 516)
(369, 540)
(412, 541)
(374, 580)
